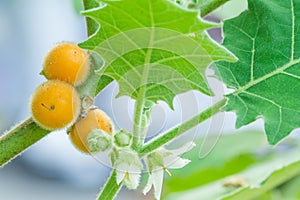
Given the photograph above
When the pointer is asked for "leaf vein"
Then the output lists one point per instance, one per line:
(233, 76)
(121, 32)
(269, 75)
(263, 98)
(293, 31)
(245, 105)
(130, 17)
(289, 74)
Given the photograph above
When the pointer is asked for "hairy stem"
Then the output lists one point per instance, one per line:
(139, 128)
(91, 24)
(141, 116)
(18, 139)
(111, 188)
(207, 6)
(180, 129)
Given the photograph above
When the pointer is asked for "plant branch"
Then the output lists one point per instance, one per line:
(182, 128)
(207, 6)
(18, 139)
(111, 188)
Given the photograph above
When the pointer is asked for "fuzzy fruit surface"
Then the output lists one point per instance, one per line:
(55, 105)
(67, 62)
(95, 119)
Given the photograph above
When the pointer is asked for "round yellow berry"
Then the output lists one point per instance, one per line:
(67, 62)
(55, 105)
(95, 119)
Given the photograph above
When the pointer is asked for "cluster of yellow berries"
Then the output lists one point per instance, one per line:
(56, 103)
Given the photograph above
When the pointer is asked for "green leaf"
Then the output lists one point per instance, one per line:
(92, 26)
(290, 190)
(275, 179)
(153, 48)
(223, 160)
(266, 79)
(258, 179)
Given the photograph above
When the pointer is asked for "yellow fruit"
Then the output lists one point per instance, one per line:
(67, 62)
(95, 119)
(55, 105)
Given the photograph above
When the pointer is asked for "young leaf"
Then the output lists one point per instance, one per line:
(266, 79)
(153, 48)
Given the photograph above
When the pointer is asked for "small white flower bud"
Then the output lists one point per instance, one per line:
(122, 138)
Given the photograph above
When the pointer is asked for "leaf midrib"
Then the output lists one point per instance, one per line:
(278, 70)
(293, 30)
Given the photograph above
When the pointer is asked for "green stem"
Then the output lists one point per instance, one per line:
(15, 141)
(91, 24)
(111, 188)
(138, 132)
(180, 129)
(207, 6)
(139, 127)
(141, 117)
